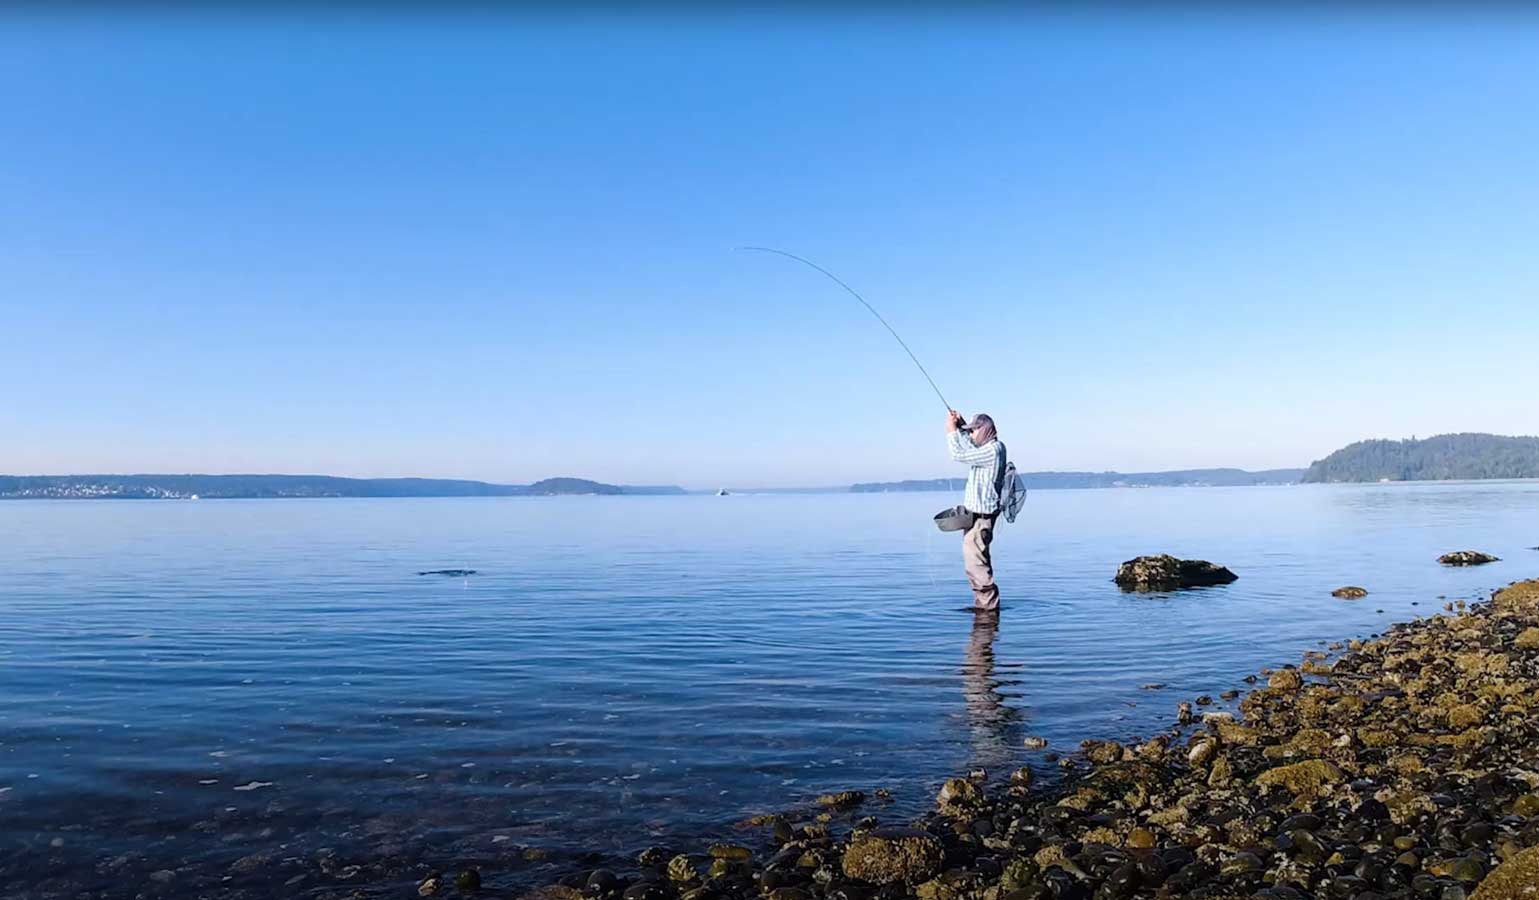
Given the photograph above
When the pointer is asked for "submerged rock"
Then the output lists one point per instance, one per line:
(1466, 558)
(1350, 592)
(1166, 573)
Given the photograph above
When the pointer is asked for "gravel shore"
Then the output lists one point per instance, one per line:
(1402, 767)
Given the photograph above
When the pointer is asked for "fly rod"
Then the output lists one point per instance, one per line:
(872, 309)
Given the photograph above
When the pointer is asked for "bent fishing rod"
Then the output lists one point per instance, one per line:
(837, 280)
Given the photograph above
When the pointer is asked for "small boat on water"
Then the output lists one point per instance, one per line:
(722, 493)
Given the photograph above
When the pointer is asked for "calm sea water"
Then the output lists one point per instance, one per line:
(220, 698)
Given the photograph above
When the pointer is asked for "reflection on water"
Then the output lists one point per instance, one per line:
(263, 698)
(992, 724)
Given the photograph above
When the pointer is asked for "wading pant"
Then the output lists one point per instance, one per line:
(979, 566)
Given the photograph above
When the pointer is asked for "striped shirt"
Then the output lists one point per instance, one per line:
(988, 465)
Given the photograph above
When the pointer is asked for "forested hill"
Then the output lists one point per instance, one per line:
(182, 487)
(1446, 456)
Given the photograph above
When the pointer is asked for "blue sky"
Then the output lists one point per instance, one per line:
(501, 248)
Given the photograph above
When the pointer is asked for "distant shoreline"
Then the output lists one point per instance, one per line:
(261, 487)
(94, 491)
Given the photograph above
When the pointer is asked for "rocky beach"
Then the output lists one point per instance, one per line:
(1403, 766)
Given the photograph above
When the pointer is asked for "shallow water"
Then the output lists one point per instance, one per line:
(225, 697)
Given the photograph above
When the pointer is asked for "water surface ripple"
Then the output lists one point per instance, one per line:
(227, 697)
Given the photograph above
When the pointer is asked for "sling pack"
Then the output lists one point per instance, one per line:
(1012, 493)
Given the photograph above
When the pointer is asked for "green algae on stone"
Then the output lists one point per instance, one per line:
(1234, 733)
(1308, 742)
(1285, 680)
(1464, 716)
(957, 885)
(1018, 873)
(681, 869)
(1304, 779)
(1516, 879)
(1102, 752)
(1522, 596)
(892, 855)
(733, 852)
(554, 892)
(959, 796)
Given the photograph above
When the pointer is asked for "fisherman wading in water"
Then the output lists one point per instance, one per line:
(975, 445)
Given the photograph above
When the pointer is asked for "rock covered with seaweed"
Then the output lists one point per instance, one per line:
(1167, 573)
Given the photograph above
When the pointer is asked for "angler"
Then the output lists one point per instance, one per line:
(990, 478)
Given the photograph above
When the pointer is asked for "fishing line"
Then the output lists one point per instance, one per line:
(929, 535)
(838, 281)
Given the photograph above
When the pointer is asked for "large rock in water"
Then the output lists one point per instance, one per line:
(1466, 558)
(1166, 573)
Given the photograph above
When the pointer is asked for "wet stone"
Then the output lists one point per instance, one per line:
(601, 883)
(1515, 879)
(1526, 806)
(1467, 870)
(680, 868)
(959, 796)
(892, 855)
(652, 856)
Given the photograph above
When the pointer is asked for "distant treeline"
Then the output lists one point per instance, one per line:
(174, 487)
(1446, 456)
(1049, 480)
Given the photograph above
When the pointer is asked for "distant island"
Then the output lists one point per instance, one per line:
(1444, 457)
(245, 487)
(1061, 480)
(1440, 458)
